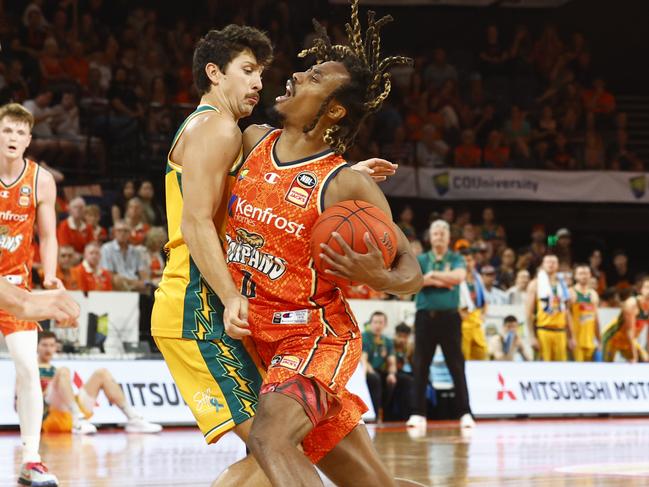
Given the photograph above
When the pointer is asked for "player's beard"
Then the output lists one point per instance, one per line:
(276, 115)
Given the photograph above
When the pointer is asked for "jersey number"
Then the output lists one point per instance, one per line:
(248, 286)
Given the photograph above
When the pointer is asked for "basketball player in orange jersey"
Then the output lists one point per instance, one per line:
(303, 329)
(196, 293)
(27, 196)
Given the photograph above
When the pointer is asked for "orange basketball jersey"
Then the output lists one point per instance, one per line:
(271, 212)
(17, 216)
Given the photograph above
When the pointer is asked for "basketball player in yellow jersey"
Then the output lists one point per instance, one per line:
(548, 315)
(474, 307)
(584, 302)
(622, 334)
(216, 376)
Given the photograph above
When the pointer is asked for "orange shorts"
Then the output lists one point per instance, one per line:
(57, 421)
(330, 361)
(10, 324)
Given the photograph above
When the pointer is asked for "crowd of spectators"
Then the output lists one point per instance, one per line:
(127, 256)
(527, 103)
(92, 79)
(505, 270)
(505, 274)
(532, 101)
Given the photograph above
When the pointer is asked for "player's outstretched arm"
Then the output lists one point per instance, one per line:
(209, 147)
(46, 221)
(405, 276)
(24, 305)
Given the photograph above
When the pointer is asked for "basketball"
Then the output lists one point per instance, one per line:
(352, 219)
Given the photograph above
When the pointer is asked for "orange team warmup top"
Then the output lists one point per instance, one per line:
(17, 217)
(18, 202)
(271, 212)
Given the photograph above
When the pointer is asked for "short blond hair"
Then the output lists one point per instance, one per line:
(154, 235)
(92, 210)
(17, 112)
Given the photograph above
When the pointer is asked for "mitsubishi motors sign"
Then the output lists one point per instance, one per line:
(554, 388)
(147, 386)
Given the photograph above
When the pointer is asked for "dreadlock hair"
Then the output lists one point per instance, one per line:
(369, 84)
(222, 46)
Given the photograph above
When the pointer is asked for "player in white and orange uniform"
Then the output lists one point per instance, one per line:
(27, 196)
(302, 327)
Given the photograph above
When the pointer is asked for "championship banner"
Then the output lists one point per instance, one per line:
(554, 388)
(147, 386)
(512, 184)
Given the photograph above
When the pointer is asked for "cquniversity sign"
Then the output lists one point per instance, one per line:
(553, 388)
(512, 184)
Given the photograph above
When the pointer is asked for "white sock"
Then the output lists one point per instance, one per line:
(129, 412)
(76, 413)
(83, 400)
(29, 404)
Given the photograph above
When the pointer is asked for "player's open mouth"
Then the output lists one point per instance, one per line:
(12, 147)
(290, 91)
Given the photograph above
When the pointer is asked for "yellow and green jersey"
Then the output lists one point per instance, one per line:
(555, 318)
(185, 306)
(584, 319)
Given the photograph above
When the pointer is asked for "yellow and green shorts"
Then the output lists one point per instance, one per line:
(218, 379)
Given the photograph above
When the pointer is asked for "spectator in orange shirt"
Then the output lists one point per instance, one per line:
(76, 65)
(496, 152)
(73, 230)
(135, 219)
(92, 215)
(597, 100)
(51, 67)
(89, 275)
(67, 260)
(468, 154)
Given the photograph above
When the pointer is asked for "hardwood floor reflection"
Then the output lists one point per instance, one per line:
(496, 453)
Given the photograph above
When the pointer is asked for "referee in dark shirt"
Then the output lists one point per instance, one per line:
(438, 322)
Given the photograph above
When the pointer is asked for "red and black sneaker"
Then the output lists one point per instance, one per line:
(37, 475)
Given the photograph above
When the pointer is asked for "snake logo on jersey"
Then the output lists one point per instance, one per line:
(245, 250)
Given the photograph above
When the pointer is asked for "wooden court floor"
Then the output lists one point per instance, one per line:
(562, 453)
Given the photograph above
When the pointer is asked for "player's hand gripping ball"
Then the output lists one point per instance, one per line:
(352, 219)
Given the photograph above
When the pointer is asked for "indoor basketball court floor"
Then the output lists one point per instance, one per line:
(575, 452)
